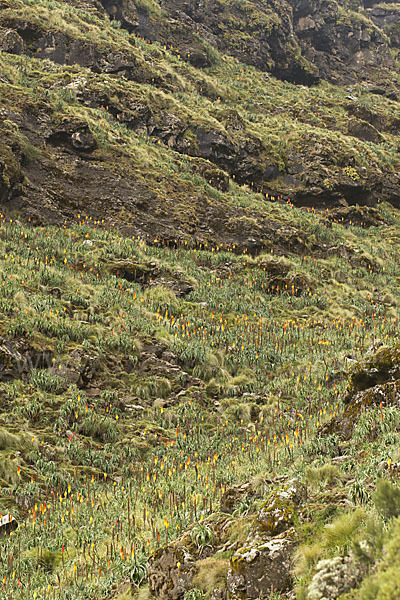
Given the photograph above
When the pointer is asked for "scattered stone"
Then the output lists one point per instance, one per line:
(232, 497)
(7, 524)
(17, 359)
(171, 571)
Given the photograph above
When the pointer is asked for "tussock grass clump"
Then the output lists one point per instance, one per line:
(327, 475)
(306, 557)
(211, 574)
(386, 499)
(384, 583)
(334, 538)
(8, 440)
(340, 533)
(162, 298)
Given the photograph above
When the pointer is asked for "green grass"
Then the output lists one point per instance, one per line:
(136, 445)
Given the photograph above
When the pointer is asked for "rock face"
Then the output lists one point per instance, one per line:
(262, 567)
(297, 40)
(338, 47)
(387, 17)
(53, 146)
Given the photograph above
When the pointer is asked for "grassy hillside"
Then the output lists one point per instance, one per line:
(140, 382)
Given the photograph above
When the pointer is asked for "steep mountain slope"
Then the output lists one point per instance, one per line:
(171, 130)
(199, 299)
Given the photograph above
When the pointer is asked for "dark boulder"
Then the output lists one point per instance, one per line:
(75, 136)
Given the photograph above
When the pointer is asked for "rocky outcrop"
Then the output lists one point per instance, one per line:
(277, 512)
(11, 41)
(377, 368)
(262, 567)
(260, 562)
(73, 135)
(263, 564)
(373, 381)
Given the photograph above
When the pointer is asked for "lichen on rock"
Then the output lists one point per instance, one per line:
(335, 576)
(276, 514)
(264, 565)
